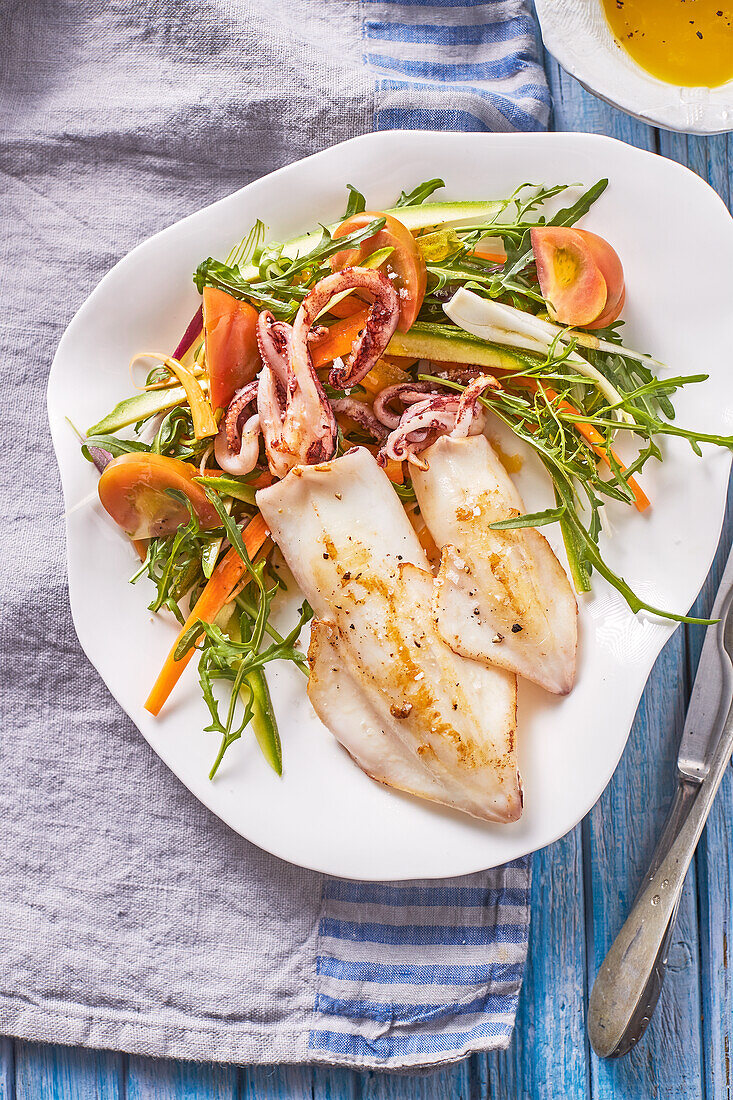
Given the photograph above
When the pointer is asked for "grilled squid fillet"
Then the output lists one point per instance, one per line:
(413, 714)
(501, 597)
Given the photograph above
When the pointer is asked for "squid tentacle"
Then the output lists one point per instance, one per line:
(237, 446)
(296, 418)
(381, 322)
(429, 416)
(361, 414)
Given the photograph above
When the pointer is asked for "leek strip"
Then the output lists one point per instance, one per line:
(140, 407)
(475, 315)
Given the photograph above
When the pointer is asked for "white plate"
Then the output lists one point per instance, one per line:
(578, 36)
(324, 813)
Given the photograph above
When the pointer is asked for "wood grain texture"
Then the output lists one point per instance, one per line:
(160, 1079)
(714, 864)
(623, 827)
(7, 1070)
(549, 1048)
(67, 1073)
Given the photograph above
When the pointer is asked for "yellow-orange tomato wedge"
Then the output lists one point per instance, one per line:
(405, 264)
(134, 489)
(580, 276)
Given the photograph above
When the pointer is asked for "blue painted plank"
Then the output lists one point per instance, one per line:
(624, 828)
(711, 159)
(338, 1084)
(445, 1084)
(277, 1083)
(549, 1043)
(297, 1082)
(7, 1070)
(44, 1072)
(575, 110)
(624, 825)
(715, 878)
(161, 1079)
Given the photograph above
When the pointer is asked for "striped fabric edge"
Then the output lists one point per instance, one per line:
(417, 975)
(454, 65)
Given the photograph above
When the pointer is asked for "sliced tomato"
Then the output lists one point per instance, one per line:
(232, 355)
(405, 264)
(134, 490)
(580, 275)
(570, 280)
(612, 270)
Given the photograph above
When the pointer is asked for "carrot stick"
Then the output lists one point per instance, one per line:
(395, 472)
(597, 442)
(489, 254)
(338, 339)
(347, 307)
(223, 580)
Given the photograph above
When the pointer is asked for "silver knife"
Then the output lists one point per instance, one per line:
(630, 979)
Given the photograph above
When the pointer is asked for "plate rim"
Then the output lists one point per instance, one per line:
(369, 138)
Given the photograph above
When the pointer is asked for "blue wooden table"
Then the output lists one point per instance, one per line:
(583, 886)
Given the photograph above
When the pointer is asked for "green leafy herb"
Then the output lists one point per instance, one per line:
(356, 203)
(419, 194)
(238, 657)
(284, 282)
(174, 564)
(539, 418)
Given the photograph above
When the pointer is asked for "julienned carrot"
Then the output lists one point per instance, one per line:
(598, 444)
(489, 254)
(347, 307)
(219, 587)
(338, 339)
(392, 468)
(395, 472)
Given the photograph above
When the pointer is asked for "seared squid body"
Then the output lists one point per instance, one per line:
(501, 597)
(414, 714)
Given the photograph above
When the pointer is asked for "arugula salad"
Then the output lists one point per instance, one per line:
(375, 332)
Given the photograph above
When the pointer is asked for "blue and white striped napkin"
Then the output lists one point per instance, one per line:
(424, 973)
(455, 65)
(421, 973)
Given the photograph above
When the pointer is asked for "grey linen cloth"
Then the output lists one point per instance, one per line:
(131, 917)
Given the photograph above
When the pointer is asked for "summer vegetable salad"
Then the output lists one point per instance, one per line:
(385, 332)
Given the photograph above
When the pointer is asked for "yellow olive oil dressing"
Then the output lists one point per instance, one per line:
(686, 42)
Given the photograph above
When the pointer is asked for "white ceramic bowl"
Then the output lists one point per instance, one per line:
(325, 813)
(577, 34)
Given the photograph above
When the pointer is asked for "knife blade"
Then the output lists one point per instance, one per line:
(712, 691)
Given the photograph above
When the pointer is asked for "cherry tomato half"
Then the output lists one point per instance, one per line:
(133, 487)
(580, 276)
(612, 271)
(405, 263)
(232, 355)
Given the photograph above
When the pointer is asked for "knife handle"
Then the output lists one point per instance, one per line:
(628, 969)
